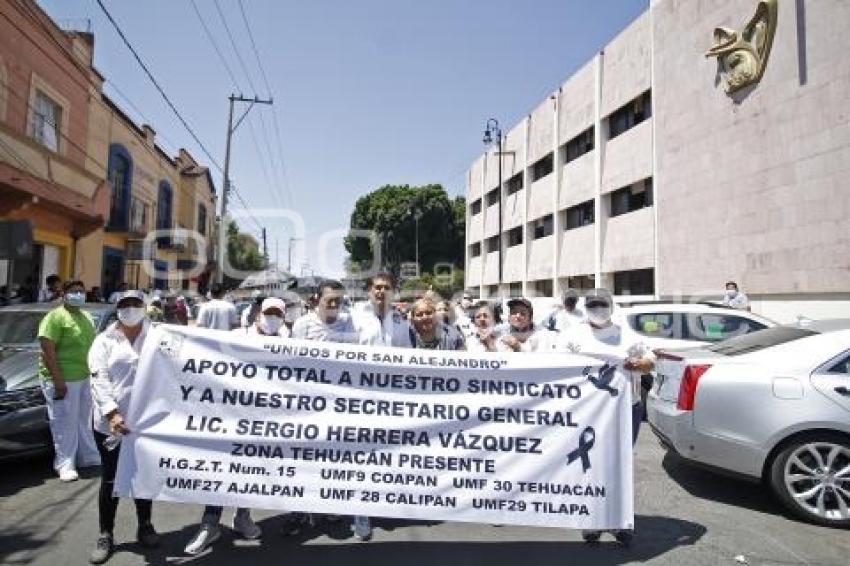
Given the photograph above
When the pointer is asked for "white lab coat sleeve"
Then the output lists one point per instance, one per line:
(102, 390)
(299, 329)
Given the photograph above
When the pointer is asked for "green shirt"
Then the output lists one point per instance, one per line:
(73, 334)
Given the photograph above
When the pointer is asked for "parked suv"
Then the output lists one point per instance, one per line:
(23, 413)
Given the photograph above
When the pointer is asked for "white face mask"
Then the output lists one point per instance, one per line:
(731, 293)
(131, 316)
(599, 316)
(270, 324)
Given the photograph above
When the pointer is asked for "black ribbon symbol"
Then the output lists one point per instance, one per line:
(604, 379)
(585, 443)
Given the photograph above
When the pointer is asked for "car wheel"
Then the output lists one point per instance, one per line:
(811, 476)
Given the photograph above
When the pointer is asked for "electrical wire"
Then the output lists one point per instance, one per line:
(157, 85)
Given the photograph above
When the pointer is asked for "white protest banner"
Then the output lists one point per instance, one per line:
(252, 421)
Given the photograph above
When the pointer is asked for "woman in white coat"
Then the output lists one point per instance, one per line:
(113, 358)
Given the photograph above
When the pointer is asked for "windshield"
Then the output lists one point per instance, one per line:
(21, 327)
(759, 340)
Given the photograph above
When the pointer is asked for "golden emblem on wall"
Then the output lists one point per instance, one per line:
(743, 57)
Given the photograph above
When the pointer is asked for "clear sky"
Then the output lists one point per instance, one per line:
(366, 92)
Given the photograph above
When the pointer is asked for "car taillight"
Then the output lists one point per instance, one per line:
(688, 386)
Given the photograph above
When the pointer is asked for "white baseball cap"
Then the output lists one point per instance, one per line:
(273, 303)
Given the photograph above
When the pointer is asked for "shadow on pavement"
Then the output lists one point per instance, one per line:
(720, 488)
(655, 536)
(21, 474)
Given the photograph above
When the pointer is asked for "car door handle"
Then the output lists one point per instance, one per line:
(841, 390)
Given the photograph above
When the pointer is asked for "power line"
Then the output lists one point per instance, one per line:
(233, 43)
(275, 197)
(156, 84)
(215, 46)
(254, 47)
(285, 185)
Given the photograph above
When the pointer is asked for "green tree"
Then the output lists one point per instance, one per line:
(391, 212)
(243, 250)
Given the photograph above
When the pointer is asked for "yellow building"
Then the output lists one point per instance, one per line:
(160, 209)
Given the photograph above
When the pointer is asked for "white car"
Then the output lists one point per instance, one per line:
(772, 406)
(680, 325)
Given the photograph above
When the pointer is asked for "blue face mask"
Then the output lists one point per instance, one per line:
(75, 299)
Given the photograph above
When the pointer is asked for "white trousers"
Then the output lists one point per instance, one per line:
(70, 424)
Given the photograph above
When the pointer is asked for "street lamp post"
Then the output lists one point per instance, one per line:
(491, 131)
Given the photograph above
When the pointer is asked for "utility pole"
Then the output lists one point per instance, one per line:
(265, 248)
(289, 254)
(225, 193)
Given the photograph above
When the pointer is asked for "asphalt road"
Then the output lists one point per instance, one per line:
(685, 516)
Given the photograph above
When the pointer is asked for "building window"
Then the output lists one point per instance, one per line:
(580, 215)
(515, 237)
(493, 197)
(581, 282)
(514, 184)
(46, 121)
(492, 290)
(120, 176)
(630, 115)
(202, 219)
(515, 290)
(543, 227)
(631, 198)
(543, 288)
(492, 244)
(542, 168)
(475, 249)
(578, 146)
(635, 282)
(476, 207)
(163, 212)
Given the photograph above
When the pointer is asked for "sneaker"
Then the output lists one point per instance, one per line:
(624, 537)
(245, 526)
(147, 536)
(68, 474)
(205, 536)
(591, 536)
(102, 549)
(362, 528)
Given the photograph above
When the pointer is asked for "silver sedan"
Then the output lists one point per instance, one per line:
(773, 406)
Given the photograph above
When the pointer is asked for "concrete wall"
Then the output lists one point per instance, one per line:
(753, 187)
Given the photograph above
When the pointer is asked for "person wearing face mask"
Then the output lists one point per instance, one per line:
(269, 320)
(735, 299)
(599, 335)
(463, 317)
(66, 333)
(521, 334)
(113, 359)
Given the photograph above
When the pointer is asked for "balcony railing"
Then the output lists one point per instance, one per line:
(136, 250)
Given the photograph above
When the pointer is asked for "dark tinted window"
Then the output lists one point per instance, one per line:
(755, 341)
(580, 215)
(542, 168)
(493, 197)
(841, 367)
(476, 207)
(714, 327)
(476, 249)
(514, 184)
(658, 325)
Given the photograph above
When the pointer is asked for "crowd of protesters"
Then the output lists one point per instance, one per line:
(87, 380)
